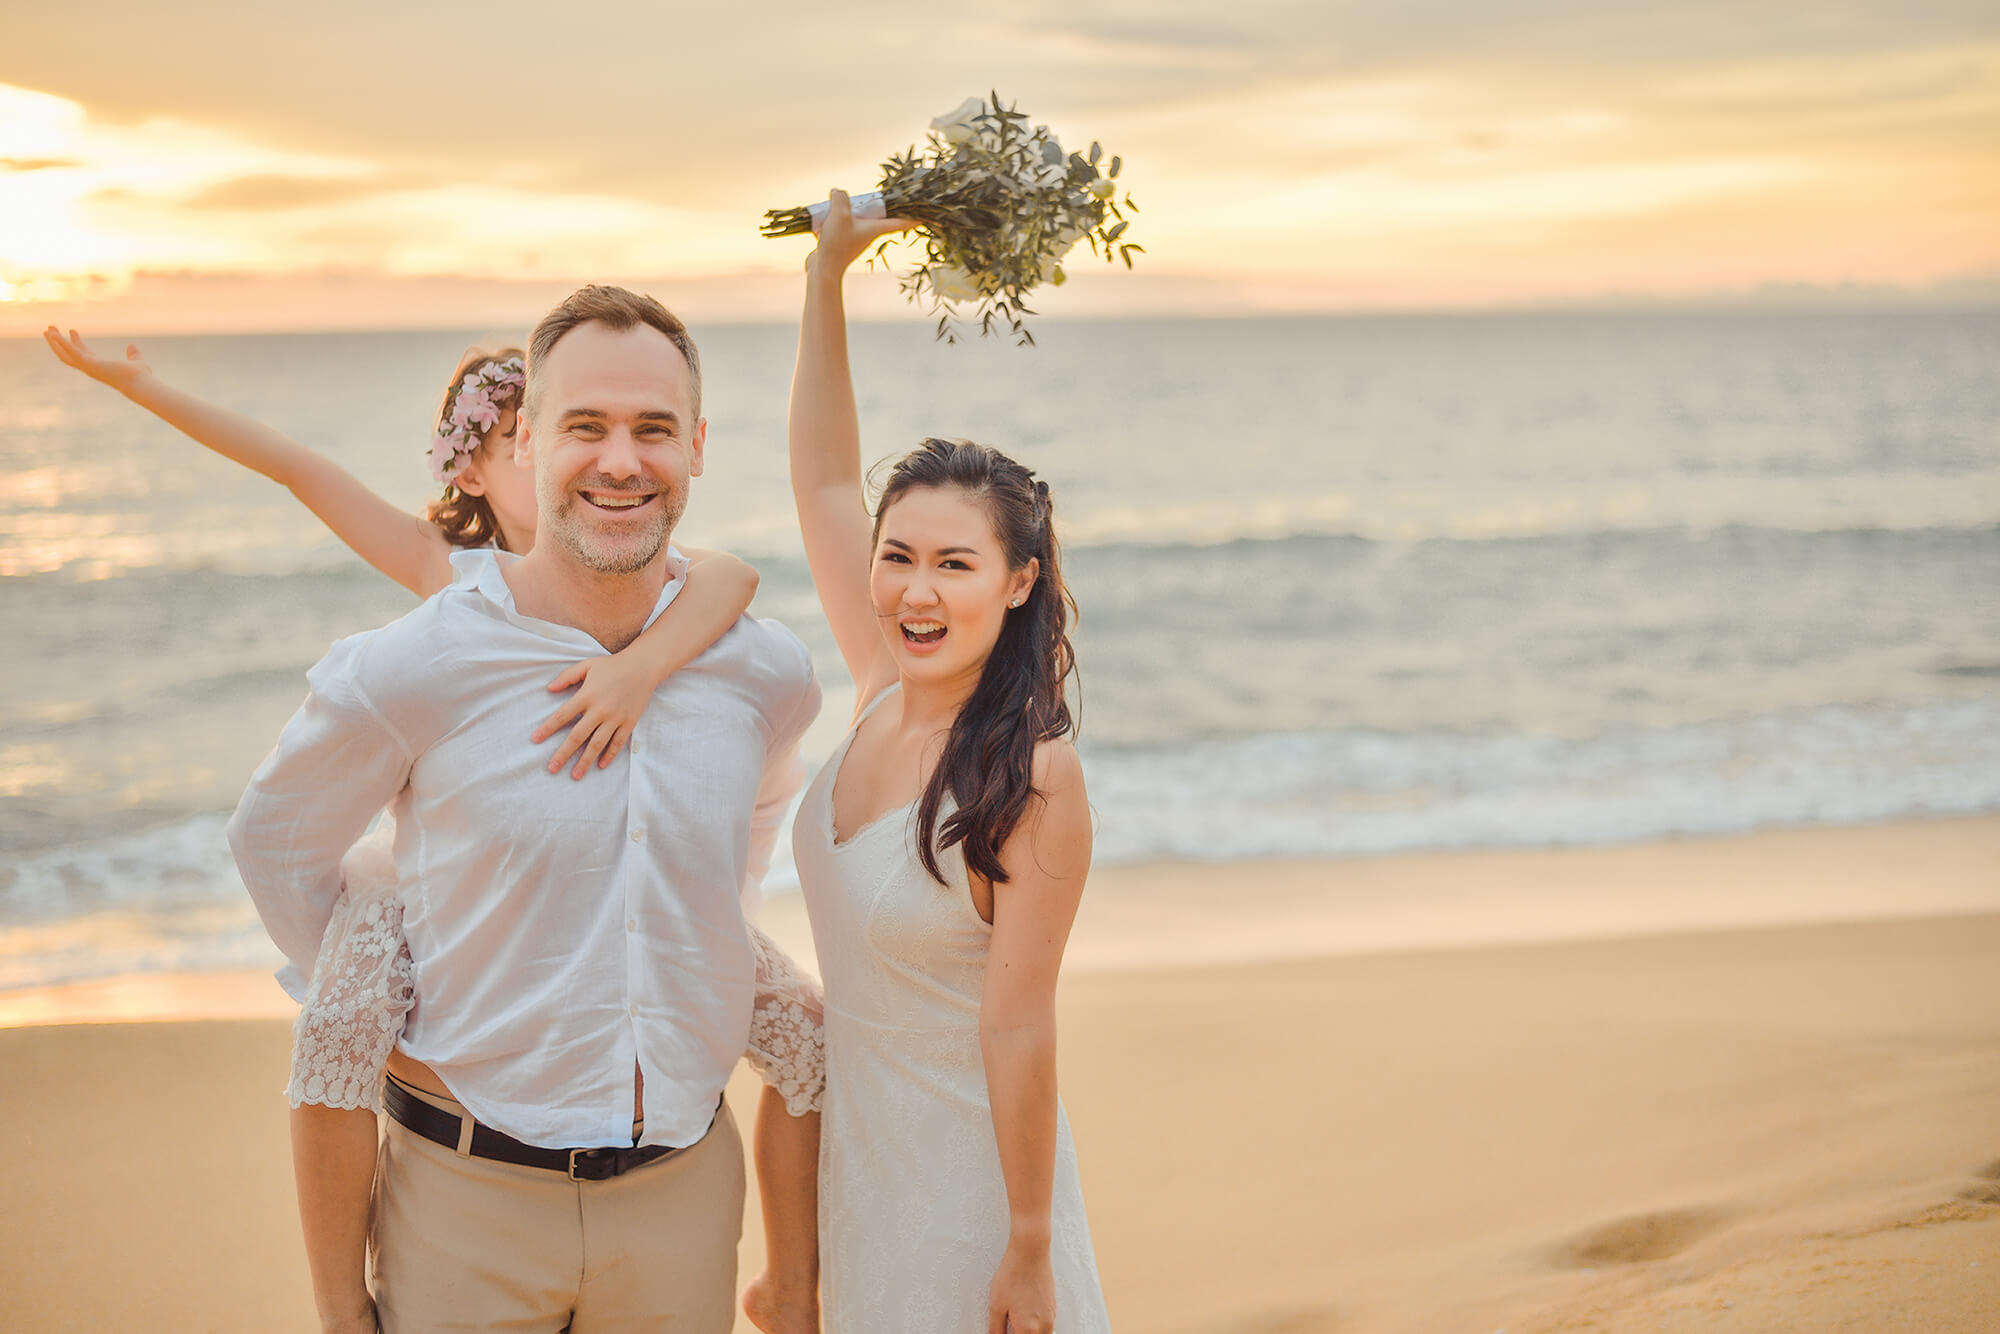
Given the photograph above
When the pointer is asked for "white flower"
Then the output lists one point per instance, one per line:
(1046, 162)
(1065, 241)
(1036, 174)
(1104, 187)
(955, 127)
(954, 283)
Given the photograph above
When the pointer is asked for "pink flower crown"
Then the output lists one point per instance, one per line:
(474, 408)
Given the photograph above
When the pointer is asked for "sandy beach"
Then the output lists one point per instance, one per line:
(1747, 1084)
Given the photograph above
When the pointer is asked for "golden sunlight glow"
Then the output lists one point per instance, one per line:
(1430, 183)
(89, 205)
(1761, 173)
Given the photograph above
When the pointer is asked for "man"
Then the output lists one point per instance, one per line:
(558, 1155)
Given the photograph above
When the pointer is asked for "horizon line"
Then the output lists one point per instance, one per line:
(1809, 303)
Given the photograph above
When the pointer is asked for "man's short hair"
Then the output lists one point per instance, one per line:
(618, 310)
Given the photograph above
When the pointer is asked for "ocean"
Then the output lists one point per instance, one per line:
(1349, 586)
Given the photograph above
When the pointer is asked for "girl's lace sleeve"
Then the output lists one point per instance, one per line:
(361, 990)
(787, 1028)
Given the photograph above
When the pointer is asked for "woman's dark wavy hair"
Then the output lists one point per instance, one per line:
(989, 755)
(468, 520)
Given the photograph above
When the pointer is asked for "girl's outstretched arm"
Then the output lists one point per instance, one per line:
(408, 549)
(825, 443)
(612, 692)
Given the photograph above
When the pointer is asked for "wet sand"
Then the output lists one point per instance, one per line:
(1734, 1085)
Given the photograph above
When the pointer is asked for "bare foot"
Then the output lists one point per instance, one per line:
(776, 1310)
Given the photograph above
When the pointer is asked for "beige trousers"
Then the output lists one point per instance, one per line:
(463, 1243)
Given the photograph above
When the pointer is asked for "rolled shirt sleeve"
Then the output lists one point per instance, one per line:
(784, 775)
(782, 779)
(336, 764)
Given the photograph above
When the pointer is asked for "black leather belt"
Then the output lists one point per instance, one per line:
(441, 1127)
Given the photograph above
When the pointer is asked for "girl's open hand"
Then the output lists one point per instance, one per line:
(73, 352)
(610, 695)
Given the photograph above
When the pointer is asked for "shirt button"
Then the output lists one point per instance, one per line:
(638, 835)
(635, 1012)
(633, 744)
(631, 924)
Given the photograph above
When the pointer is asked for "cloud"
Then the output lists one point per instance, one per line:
(1156, 50)
(261, 193)
(1354, 148)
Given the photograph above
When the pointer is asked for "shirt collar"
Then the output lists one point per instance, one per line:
(482, 570)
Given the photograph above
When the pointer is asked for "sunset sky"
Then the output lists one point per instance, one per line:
(240, 165)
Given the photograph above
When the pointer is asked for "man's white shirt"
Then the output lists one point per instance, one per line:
(562, 931)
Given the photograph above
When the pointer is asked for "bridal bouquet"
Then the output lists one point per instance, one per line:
(1001, 205)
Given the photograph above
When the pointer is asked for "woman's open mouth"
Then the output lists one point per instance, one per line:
(922, 632)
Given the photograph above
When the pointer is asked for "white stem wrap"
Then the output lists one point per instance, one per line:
(869, 205)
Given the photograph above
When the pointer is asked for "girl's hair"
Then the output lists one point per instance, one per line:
(468, 520)
(989, 755)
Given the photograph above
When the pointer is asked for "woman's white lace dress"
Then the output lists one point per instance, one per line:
(360, 992)
(912, 1204)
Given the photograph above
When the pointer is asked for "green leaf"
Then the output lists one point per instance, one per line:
(1116, 164)
(1130, 204)
(1117, 231)
(1096, 152)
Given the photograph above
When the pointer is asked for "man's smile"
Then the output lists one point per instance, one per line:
(618, 501)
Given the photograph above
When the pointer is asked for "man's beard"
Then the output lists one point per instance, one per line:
(623, 555)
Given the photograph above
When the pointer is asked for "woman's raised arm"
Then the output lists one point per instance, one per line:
(825, 442)
(408, 549)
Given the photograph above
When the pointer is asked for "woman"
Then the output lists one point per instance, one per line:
(360, 990)
(942, 851)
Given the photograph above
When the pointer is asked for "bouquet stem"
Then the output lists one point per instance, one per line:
(870, 205)
(798, 221)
